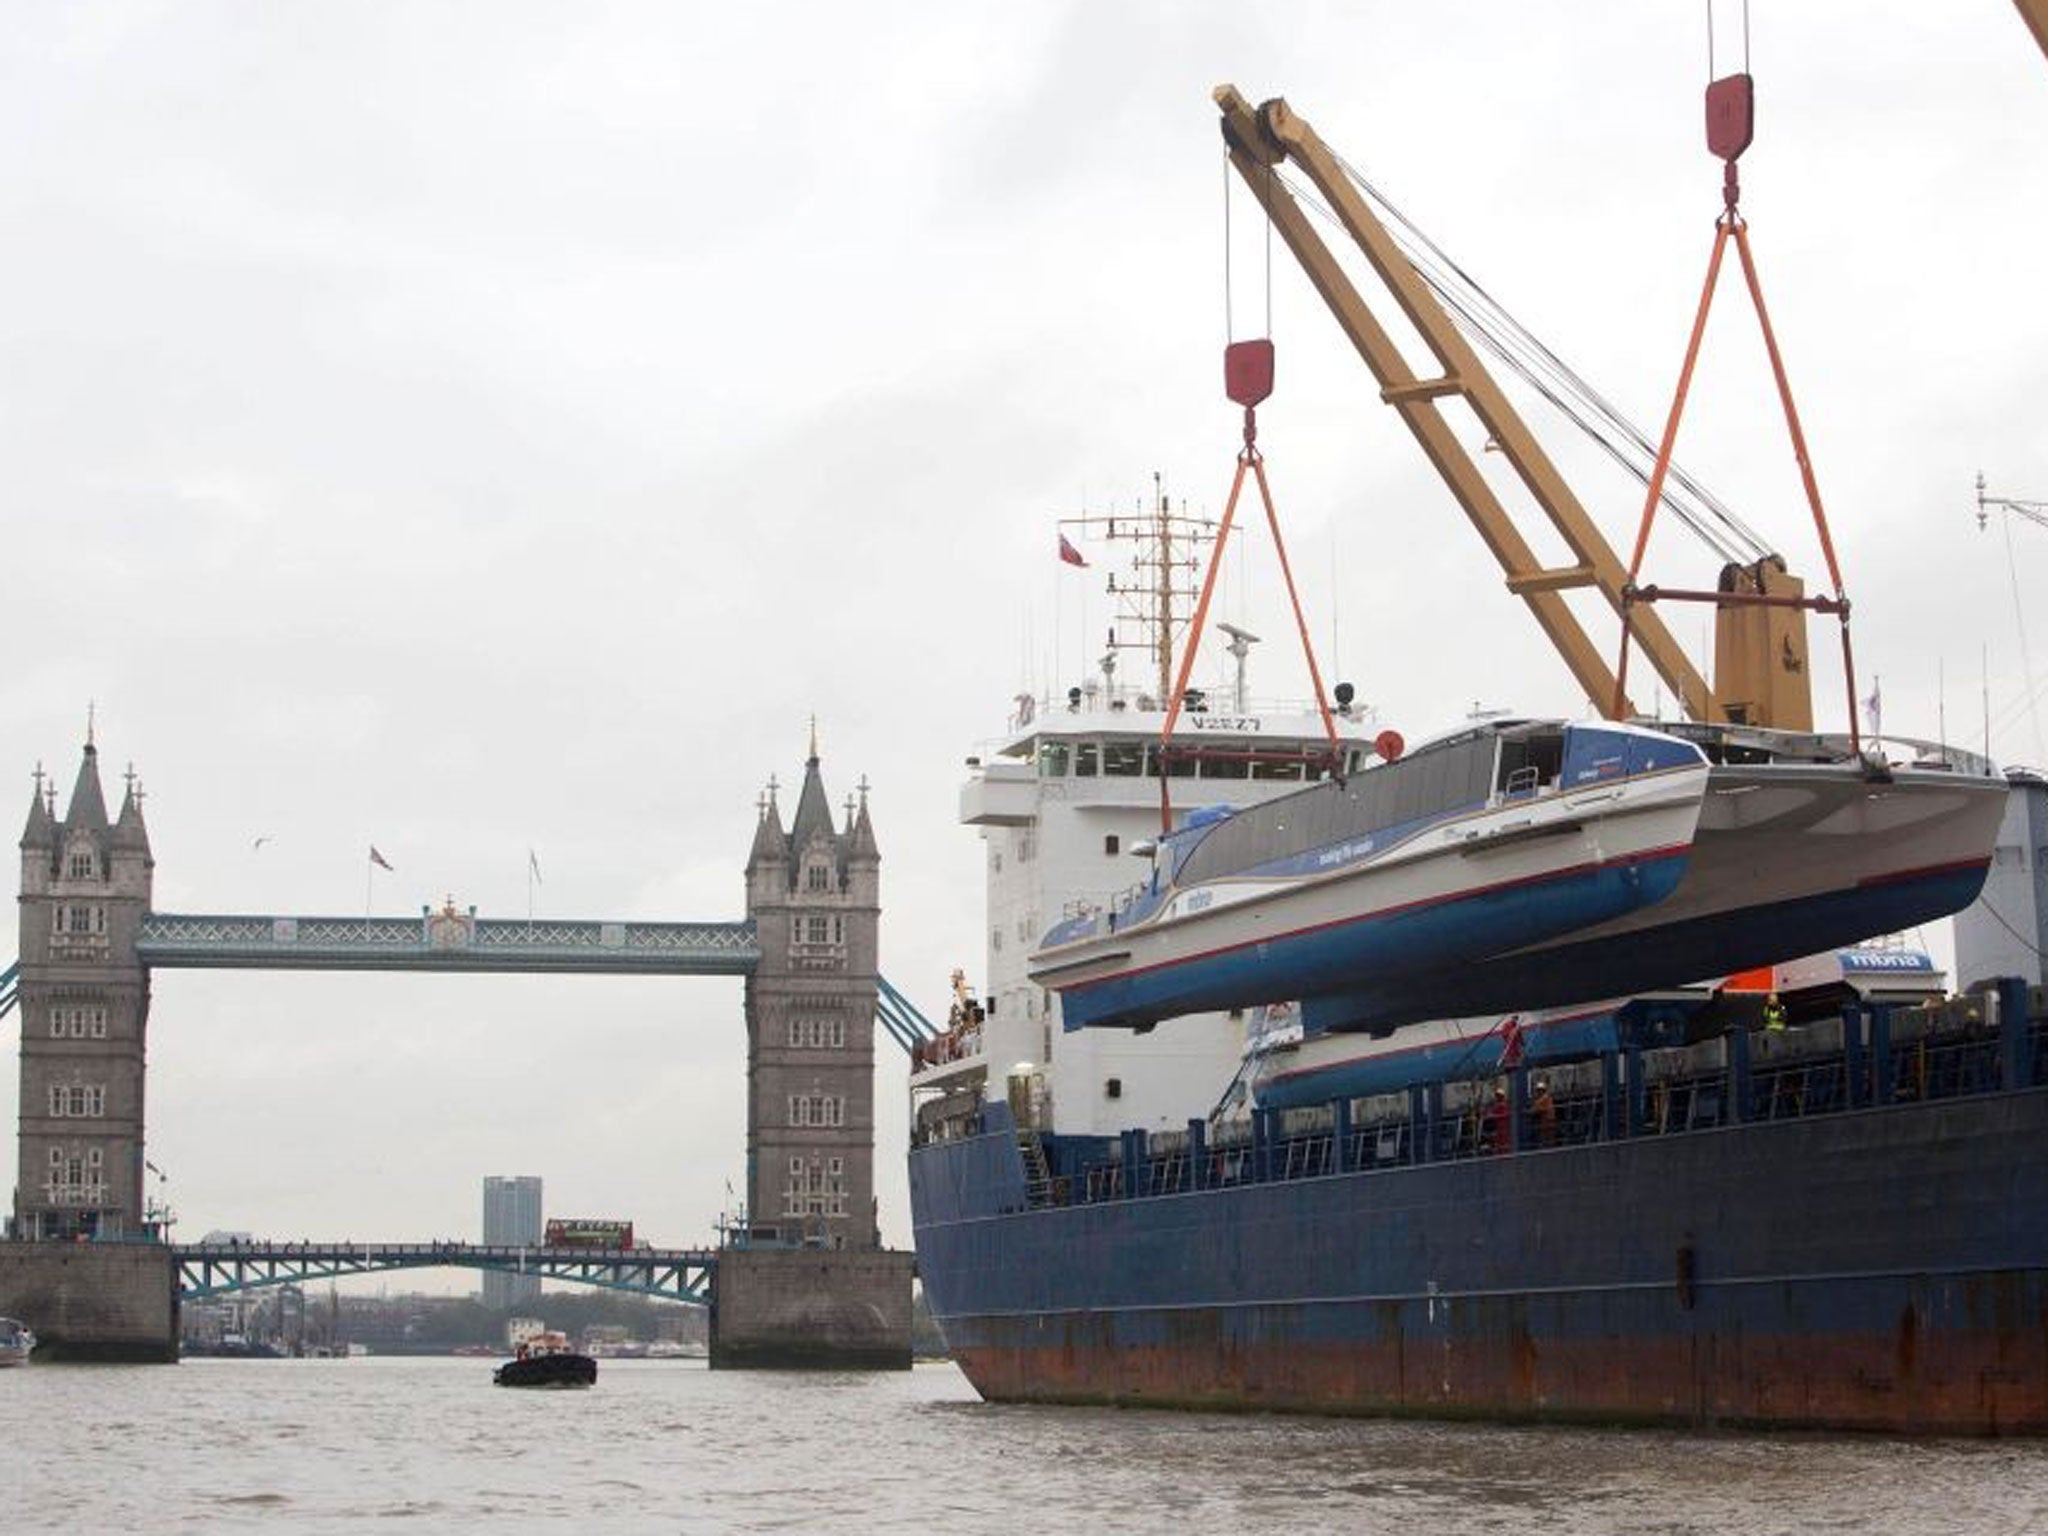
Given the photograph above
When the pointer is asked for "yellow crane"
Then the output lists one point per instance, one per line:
(2035, 14)
(1760, 650)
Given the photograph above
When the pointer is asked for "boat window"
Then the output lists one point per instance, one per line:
(1403, 789)
(1085, 755)
(1052, 759)
(1226, 767)
(1180, 765)
(1445, 777)
(1123, 759)
(1278, 770)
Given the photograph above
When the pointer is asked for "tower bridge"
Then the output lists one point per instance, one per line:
(806, 946)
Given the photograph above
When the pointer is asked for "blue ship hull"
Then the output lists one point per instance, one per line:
(1855, 1239)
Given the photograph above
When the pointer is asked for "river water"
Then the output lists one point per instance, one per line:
(377, 1444)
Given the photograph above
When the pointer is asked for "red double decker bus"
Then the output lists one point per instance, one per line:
(584, 1232)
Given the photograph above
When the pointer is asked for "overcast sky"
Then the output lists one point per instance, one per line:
(468, 428)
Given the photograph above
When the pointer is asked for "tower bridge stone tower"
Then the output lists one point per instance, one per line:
(814, 896)
(84, 1000)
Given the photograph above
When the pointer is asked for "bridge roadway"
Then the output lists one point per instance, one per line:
(445, 940)
(216, 1269)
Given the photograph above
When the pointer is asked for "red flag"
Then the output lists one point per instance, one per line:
(378, 859)
(1070, 554)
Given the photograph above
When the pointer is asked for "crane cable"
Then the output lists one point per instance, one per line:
(1248, 379)
(1487, 323)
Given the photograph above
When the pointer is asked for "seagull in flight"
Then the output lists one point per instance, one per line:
(257, 846)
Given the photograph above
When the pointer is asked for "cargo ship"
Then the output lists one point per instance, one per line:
(1668, 1210)
(1665, 1198)
(1803, 1194)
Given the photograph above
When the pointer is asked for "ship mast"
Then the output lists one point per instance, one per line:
(1157, 582)
(1163, 589)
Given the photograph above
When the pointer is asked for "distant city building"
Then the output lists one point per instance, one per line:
(512, 1217)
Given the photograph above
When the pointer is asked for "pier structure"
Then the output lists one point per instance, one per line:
(807, 948)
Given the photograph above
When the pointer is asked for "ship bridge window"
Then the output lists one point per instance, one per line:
(1278, 769)
(1052, 759)
(1087, 759)
(1123, 759)
(1226, 767)
(1179, 765)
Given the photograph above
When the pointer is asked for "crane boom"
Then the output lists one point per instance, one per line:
(1761, 659)
(2035, 14)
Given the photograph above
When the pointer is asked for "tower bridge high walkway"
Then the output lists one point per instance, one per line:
(218, 1269)
(445, 940)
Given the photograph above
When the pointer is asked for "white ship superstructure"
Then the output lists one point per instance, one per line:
(1062, 803)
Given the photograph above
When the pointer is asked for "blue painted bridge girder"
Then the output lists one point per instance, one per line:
(218, 1269)
(445, 940)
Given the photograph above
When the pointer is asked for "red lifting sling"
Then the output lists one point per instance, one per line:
(1730, 123)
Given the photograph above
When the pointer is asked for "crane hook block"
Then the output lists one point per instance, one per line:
(1731, 116)
(1248, 371)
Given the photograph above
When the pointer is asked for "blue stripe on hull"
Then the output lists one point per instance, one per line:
(1394, 943)
(1389, 1071)
(1648, 958)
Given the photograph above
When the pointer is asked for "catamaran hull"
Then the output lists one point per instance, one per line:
(1789, 859)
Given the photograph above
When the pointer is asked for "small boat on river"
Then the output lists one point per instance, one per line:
(547, 1360)
(17, 1343)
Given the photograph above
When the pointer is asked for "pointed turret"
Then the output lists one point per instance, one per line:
(770, 846)
(813, 814)
(41, 831)
(861, 844)
(130, 833)
(88, 808)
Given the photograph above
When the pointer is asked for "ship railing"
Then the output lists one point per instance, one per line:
(1870, 1059)
(963, 1043)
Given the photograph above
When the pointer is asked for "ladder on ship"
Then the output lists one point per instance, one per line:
(1037, 1175)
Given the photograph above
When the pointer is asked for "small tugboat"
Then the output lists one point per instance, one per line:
(546, 1360)
(16, 1342)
